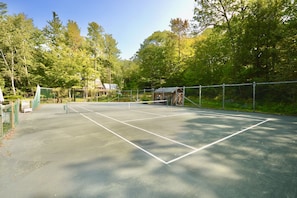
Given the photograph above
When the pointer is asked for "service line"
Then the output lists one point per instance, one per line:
(157, 117)
(218, 141)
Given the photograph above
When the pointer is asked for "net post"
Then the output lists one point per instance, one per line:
(66, 107)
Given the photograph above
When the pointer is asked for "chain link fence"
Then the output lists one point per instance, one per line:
(271, 97)
(9, 114)
(136, 95)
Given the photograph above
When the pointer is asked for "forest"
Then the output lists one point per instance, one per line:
(227, 41)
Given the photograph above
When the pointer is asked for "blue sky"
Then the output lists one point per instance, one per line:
(129, 21)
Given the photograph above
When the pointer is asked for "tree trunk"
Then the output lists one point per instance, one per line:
(11, 69)
(12, 73)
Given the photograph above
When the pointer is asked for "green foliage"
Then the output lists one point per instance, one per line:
(236, 41)
(57, 56)
(253, 35)
(54, 31)
(3, 8)
(162, 59)
(73, 38)
(17, 44)
(210, 62)
(111, 64)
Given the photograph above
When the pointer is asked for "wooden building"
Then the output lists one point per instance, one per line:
(174, 95)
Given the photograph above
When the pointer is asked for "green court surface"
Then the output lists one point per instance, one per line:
(151, 150)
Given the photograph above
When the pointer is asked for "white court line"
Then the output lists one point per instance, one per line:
(73, 109)
(84, 109)
(229, 115)
(185, 155)
(216, 142)
(147, 131)
(150, 113)
(126, 140)
(160, 136)
(145, 112)
(162, 116)
(195, 111)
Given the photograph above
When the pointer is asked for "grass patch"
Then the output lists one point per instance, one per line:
(264, 107)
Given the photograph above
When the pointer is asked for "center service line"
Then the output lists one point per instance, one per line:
(130, 125)
(140, 148)
(160, 136)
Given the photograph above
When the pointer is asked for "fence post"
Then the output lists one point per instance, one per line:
(223, 100)
(254, 96)
(200, 95)
(153, 94)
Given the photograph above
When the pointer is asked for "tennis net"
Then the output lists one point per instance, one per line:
(84, 107)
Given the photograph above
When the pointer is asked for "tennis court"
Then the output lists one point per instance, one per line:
(149, 150)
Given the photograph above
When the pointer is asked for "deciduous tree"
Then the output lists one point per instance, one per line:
(16, 49)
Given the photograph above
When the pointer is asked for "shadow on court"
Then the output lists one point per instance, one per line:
(54, 154)
(257, 163)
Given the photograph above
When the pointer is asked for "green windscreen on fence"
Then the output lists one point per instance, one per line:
(9, 117)
(16, 110)
(36, 100)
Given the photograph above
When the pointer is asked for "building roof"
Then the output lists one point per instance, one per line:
(167, 89)
(110, 86)
(98, 83)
